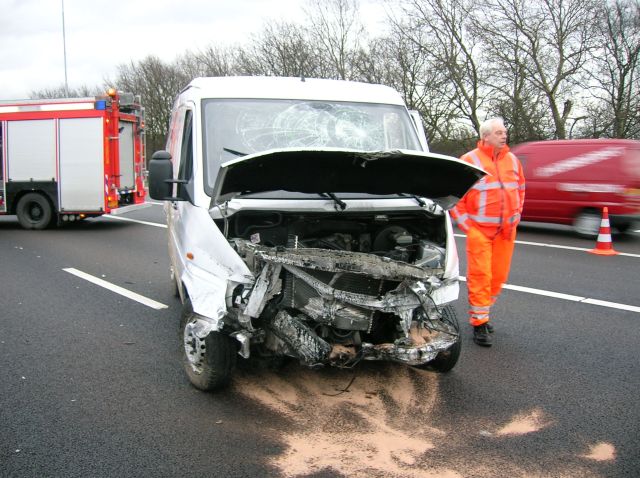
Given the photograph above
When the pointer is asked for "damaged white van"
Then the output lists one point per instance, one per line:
(307, 219)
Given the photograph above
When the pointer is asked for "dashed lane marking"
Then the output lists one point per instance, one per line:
(127, 219)
(556, 246)
(569, 297)
(117, 289)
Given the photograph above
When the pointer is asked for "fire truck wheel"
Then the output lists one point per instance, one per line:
(34, 211)
(446, 360)
(207, 361)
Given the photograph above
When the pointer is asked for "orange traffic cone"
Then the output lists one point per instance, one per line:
(604, 247)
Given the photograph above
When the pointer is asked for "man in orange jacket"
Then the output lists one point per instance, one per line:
(489, 214)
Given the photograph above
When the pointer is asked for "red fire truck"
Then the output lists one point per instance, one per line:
(67, 159)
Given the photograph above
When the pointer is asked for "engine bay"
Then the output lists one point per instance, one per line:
(339, 288)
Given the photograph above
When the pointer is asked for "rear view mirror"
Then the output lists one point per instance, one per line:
(161, 177)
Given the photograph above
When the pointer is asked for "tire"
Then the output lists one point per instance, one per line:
(623, 227)
(209, 362)
(445, 361)
(587, 223)
(34, 211)
(175, 291)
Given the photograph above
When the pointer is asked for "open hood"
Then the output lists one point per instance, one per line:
(443, 179)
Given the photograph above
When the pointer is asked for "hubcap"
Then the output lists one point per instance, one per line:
(195, 348)
(587, 224)
(35, 211)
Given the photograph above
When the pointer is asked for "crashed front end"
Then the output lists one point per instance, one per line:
(335, 288)
(348, 256)
(340, 307)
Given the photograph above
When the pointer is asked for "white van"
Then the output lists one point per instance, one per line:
(306, 220)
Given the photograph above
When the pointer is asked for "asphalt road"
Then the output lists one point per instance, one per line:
(91, 384)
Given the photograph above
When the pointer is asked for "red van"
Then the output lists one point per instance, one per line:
(570, 181)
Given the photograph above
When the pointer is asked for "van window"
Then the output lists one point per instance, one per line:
(237, 127)
(186, 154)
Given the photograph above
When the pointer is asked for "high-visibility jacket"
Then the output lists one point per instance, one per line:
(494, 203)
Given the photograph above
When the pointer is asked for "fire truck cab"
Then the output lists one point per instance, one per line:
(66, 159)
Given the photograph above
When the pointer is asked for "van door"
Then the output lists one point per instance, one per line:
(176, 210)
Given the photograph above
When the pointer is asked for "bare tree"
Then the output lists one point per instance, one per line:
(395, 61)
(616, 70)
(441, 29)
(335, 31)
(212, 61)
(512, 94)
(282, 49)
(158, 84)
(83, 91)
(554, 38)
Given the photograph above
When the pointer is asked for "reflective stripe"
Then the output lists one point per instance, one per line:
(516, 171)
(480, 308)
(514, 161)
(482, 199)
(480, 186)
(476, 159)
(478, 316)
(482, 204)
(487, 219)
(490, 194)
(513, 185)
(463, 220)
(475, 322)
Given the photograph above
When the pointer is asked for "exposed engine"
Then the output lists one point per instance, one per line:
(337, 289)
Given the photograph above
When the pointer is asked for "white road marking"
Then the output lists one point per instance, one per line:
(117, 289)
(573, 298)
(146, 223)
(556, 246)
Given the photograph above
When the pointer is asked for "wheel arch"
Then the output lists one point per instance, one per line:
(16, 192)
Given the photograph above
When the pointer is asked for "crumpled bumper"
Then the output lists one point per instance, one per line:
(409, 354)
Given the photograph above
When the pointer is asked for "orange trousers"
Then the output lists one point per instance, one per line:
(488, 264)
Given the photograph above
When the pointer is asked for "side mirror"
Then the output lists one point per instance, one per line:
(161, 177)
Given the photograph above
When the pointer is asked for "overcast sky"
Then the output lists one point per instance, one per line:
(102, 34)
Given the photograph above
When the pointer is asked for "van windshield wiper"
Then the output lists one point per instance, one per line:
(234, 152)
(339, 202)
(417, 198)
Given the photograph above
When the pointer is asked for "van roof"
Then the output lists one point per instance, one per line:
(271, 87)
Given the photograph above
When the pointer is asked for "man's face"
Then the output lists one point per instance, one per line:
(498, 136)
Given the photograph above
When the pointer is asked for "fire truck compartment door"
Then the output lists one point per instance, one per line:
(127, 179)
(81, 165)
(31, 150)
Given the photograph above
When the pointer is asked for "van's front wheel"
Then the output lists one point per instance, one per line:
(587, 223)
(208, 360)
(445, 361)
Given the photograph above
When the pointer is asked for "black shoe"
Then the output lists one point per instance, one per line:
(481, 335)
(489, 327)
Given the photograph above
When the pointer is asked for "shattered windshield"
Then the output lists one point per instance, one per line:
(236, 127)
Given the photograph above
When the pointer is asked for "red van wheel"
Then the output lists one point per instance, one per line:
(587, 223)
